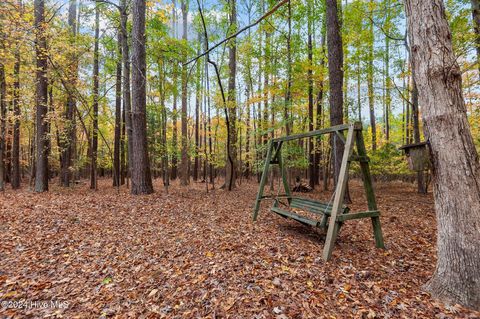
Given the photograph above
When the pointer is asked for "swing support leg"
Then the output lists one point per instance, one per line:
(263, 180)
(334, 225)
(283, 171)
(369, 192)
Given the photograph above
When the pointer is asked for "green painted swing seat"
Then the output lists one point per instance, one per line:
(316, 207)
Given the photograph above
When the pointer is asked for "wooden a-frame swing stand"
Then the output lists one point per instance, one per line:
(332, 215)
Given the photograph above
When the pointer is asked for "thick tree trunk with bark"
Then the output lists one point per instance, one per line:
(141, 178)
(335, 71)
(456, 168)
(184, 171)
(41, 171)
(94, 145)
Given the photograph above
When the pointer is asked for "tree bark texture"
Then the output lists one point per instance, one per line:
(118, 116)
(141, 177)
(231, 168)
(16, 123)
(68, 137)
(335, 72)
(456, 168)
(41, 170)
(3, 113)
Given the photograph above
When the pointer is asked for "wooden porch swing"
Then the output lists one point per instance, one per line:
(332, 216)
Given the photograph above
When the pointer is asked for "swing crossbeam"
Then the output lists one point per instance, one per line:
(332, 129)
(333, 214)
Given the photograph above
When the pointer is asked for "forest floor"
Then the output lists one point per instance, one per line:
(189, 254)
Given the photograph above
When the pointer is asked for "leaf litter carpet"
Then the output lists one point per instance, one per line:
(193, 254)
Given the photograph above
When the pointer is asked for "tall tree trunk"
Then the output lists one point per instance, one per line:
(123, 148)
(8, 144)
(175, 96)
(141, 178)
(127, 98)
(335, 71)
(164, 147)
(388, 97)
(198, 100)
(16, 126)
(41, 171)
(249, 93)
(3, 113)
(118, 116)
(174, 124)
(16, 178)
(205, 125)
(288, 92)
(32, 157)
(184, 176)
(248, 128)
(311, 151)
(266, 86)
(209, 127)
(359, 94)
(68, 136)
(231, 173)
(94, 145)
(321, 88)
(266, 89)
(3, 108)
(404, 98)
(51, 111)
(456, 167)
(407, 115)
(371, 93)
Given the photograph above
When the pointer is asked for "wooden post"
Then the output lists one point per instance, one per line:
(283, 171)
(334, 225)
(263, 179)
(369, 192)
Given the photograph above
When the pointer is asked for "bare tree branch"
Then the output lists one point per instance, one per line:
(266, 15)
